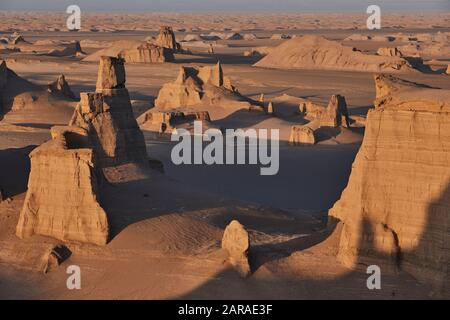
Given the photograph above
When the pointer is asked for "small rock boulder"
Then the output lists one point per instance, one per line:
(236, 241)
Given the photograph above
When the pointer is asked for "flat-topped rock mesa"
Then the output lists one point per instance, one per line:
(205, 86)
(62, 200)
(108, 117)
(315, 52)
(134, 52)
(61, 86)
(24, 102)
(395, 209)
(392, 92)
(166, 122)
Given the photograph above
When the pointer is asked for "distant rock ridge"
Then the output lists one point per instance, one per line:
(315, 52)
(395, 211)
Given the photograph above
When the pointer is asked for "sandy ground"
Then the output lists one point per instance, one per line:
(167, 228)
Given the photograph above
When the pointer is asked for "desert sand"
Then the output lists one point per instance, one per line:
(86, 176)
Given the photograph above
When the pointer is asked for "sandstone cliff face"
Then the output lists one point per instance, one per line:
(395, 209)
(62, 199)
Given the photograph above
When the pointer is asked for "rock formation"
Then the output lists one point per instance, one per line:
(270, 110)
(389, 52)
(22, 101)
(407, 95)
(200, 86)
(147, 53)
(108, 116)
(55, 257)
(164, 122)
(395, 209)
(302, 135)
(315, 52)
(166, 39)
(62, 87)
(336, 113)
(134, 52)
(237, 243)
(448, 70)
(62, 200)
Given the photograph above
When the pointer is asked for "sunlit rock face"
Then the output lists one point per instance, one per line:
(395, 211)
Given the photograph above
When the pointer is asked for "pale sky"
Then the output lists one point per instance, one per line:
(226, 5)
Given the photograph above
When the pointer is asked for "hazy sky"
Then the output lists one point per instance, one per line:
(226, 5)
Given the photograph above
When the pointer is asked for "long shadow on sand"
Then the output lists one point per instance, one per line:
(15, 164)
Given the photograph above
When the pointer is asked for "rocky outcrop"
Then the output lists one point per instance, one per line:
(62, 200)
(108, 117)
(61, 86)
(336, 113)
(448, 70)
(302, 135)
(237, 243)
(270, 110)
(395, 209)
(389, 52)
(200, 86)
(168, 121)
(166, 39)
(134, 52)
(147, 53)
(407, 95)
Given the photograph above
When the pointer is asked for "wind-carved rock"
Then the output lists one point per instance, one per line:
(3, 81)
(164, 122)
(270, 110)
(395, 211)
(389, 52)
(237, 243)
(108, 117)
(62, 87)
(302, 135)
(166, 39)
(200, 86)
(336, 113)
(63, 199)
(147, 53)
